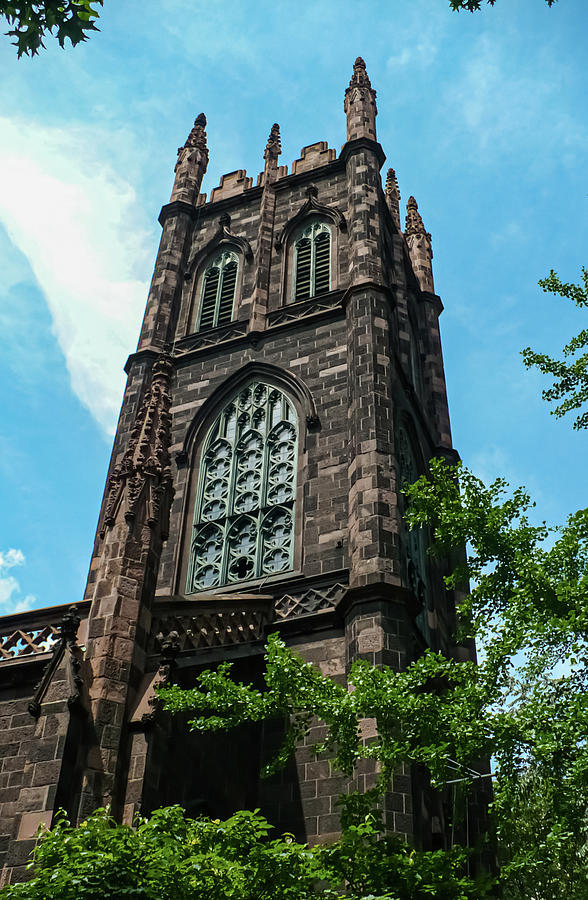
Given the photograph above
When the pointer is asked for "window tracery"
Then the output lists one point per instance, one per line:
(312, 261)
(244, 513)
(217, 292)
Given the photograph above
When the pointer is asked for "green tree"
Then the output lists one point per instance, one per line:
(475, 5)
(33, 20)
(172, 856)
(570, 389)
(525, 704)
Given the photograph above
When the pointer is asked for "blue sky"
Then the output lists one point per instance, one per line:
(484, 117)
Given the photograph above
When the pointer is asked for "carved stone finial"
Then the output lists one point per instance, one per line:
(420, 250)
(68, 627)
(393, 196)
(391, 181)
(360, 104)
(224, 221)
(170, 646)
(414, 222)
(191, 164)
(273, 147)
(197, 137)
(360, 77)
(311, 191)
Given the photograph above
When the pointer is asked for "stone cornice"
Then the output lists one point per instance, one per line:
(177, 208)
(434, 299)
(362, 143)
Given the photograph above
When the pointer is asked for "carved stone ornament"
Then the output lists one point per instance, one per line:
(144, 475)
(223, 235)
(273, 147)
(170, 647)
(360, 86)
(414, 223)
(393, 196)
(311, 205)
(65, 646)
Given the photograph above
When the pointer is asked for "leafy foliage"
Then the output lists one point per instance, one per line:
(571, 373)
(475, 5)
(178, 858)
(34, 19)
(527, 606)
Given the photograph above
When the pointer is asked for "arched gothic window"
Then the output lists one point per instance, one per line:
(415, 538)
(217, 292)
(312, 261)
(244, 512)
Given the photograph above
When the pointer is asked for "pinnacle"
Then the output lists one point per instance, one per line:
(197, 137)
(360, 77)
(414, 222)
(274, 144)
(391, 181)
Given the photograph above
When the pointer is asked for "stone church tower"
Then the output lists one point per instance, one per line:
(288, 380)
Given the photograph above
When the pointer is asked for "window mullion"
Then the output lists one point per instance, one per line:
(219, 289)
(263, 487)
(312, 262)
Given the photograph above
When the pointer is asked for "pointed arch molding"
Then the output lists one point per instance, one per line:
(310, 206)
(223, 237)
(273, 375)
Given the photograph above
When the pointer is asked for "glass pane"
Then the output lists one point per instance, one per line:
(245, 500)
(302, 275)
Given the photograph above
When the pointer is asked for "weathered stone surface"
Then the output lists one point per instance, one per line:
(359, 363)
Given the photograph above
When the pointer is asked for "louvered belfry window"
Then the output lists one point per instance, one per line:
(244, 512)
(312, 261)
(217, 296)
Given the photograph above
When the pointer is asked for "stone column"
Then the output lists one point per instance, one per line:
(265, 232)
(134, 526)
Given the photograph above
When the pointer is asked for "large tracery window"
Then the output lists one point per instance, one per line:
(217, 294)
(312, 261)
(244, 512)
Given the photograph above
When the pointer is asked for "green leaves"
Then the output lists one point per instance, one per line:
(570, 389)
(178, 858)
(476, 5)
(33, 20)
(525, 705)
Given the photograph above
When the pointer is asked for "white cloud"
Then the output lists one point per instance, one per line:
(10, 591)
(512, 106)
(80, 226)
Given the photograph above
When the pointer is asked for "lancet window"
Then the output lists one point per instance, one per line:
(415, 538)
(312, 261)
(217, 292)
(244, 512)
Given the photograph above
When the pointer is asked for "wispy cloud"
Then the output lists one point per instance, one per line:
(80, 226)
(11, 599)
(508, 109)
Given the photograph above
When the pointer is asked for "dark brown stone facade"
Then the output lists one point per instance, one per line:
(359, 363)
